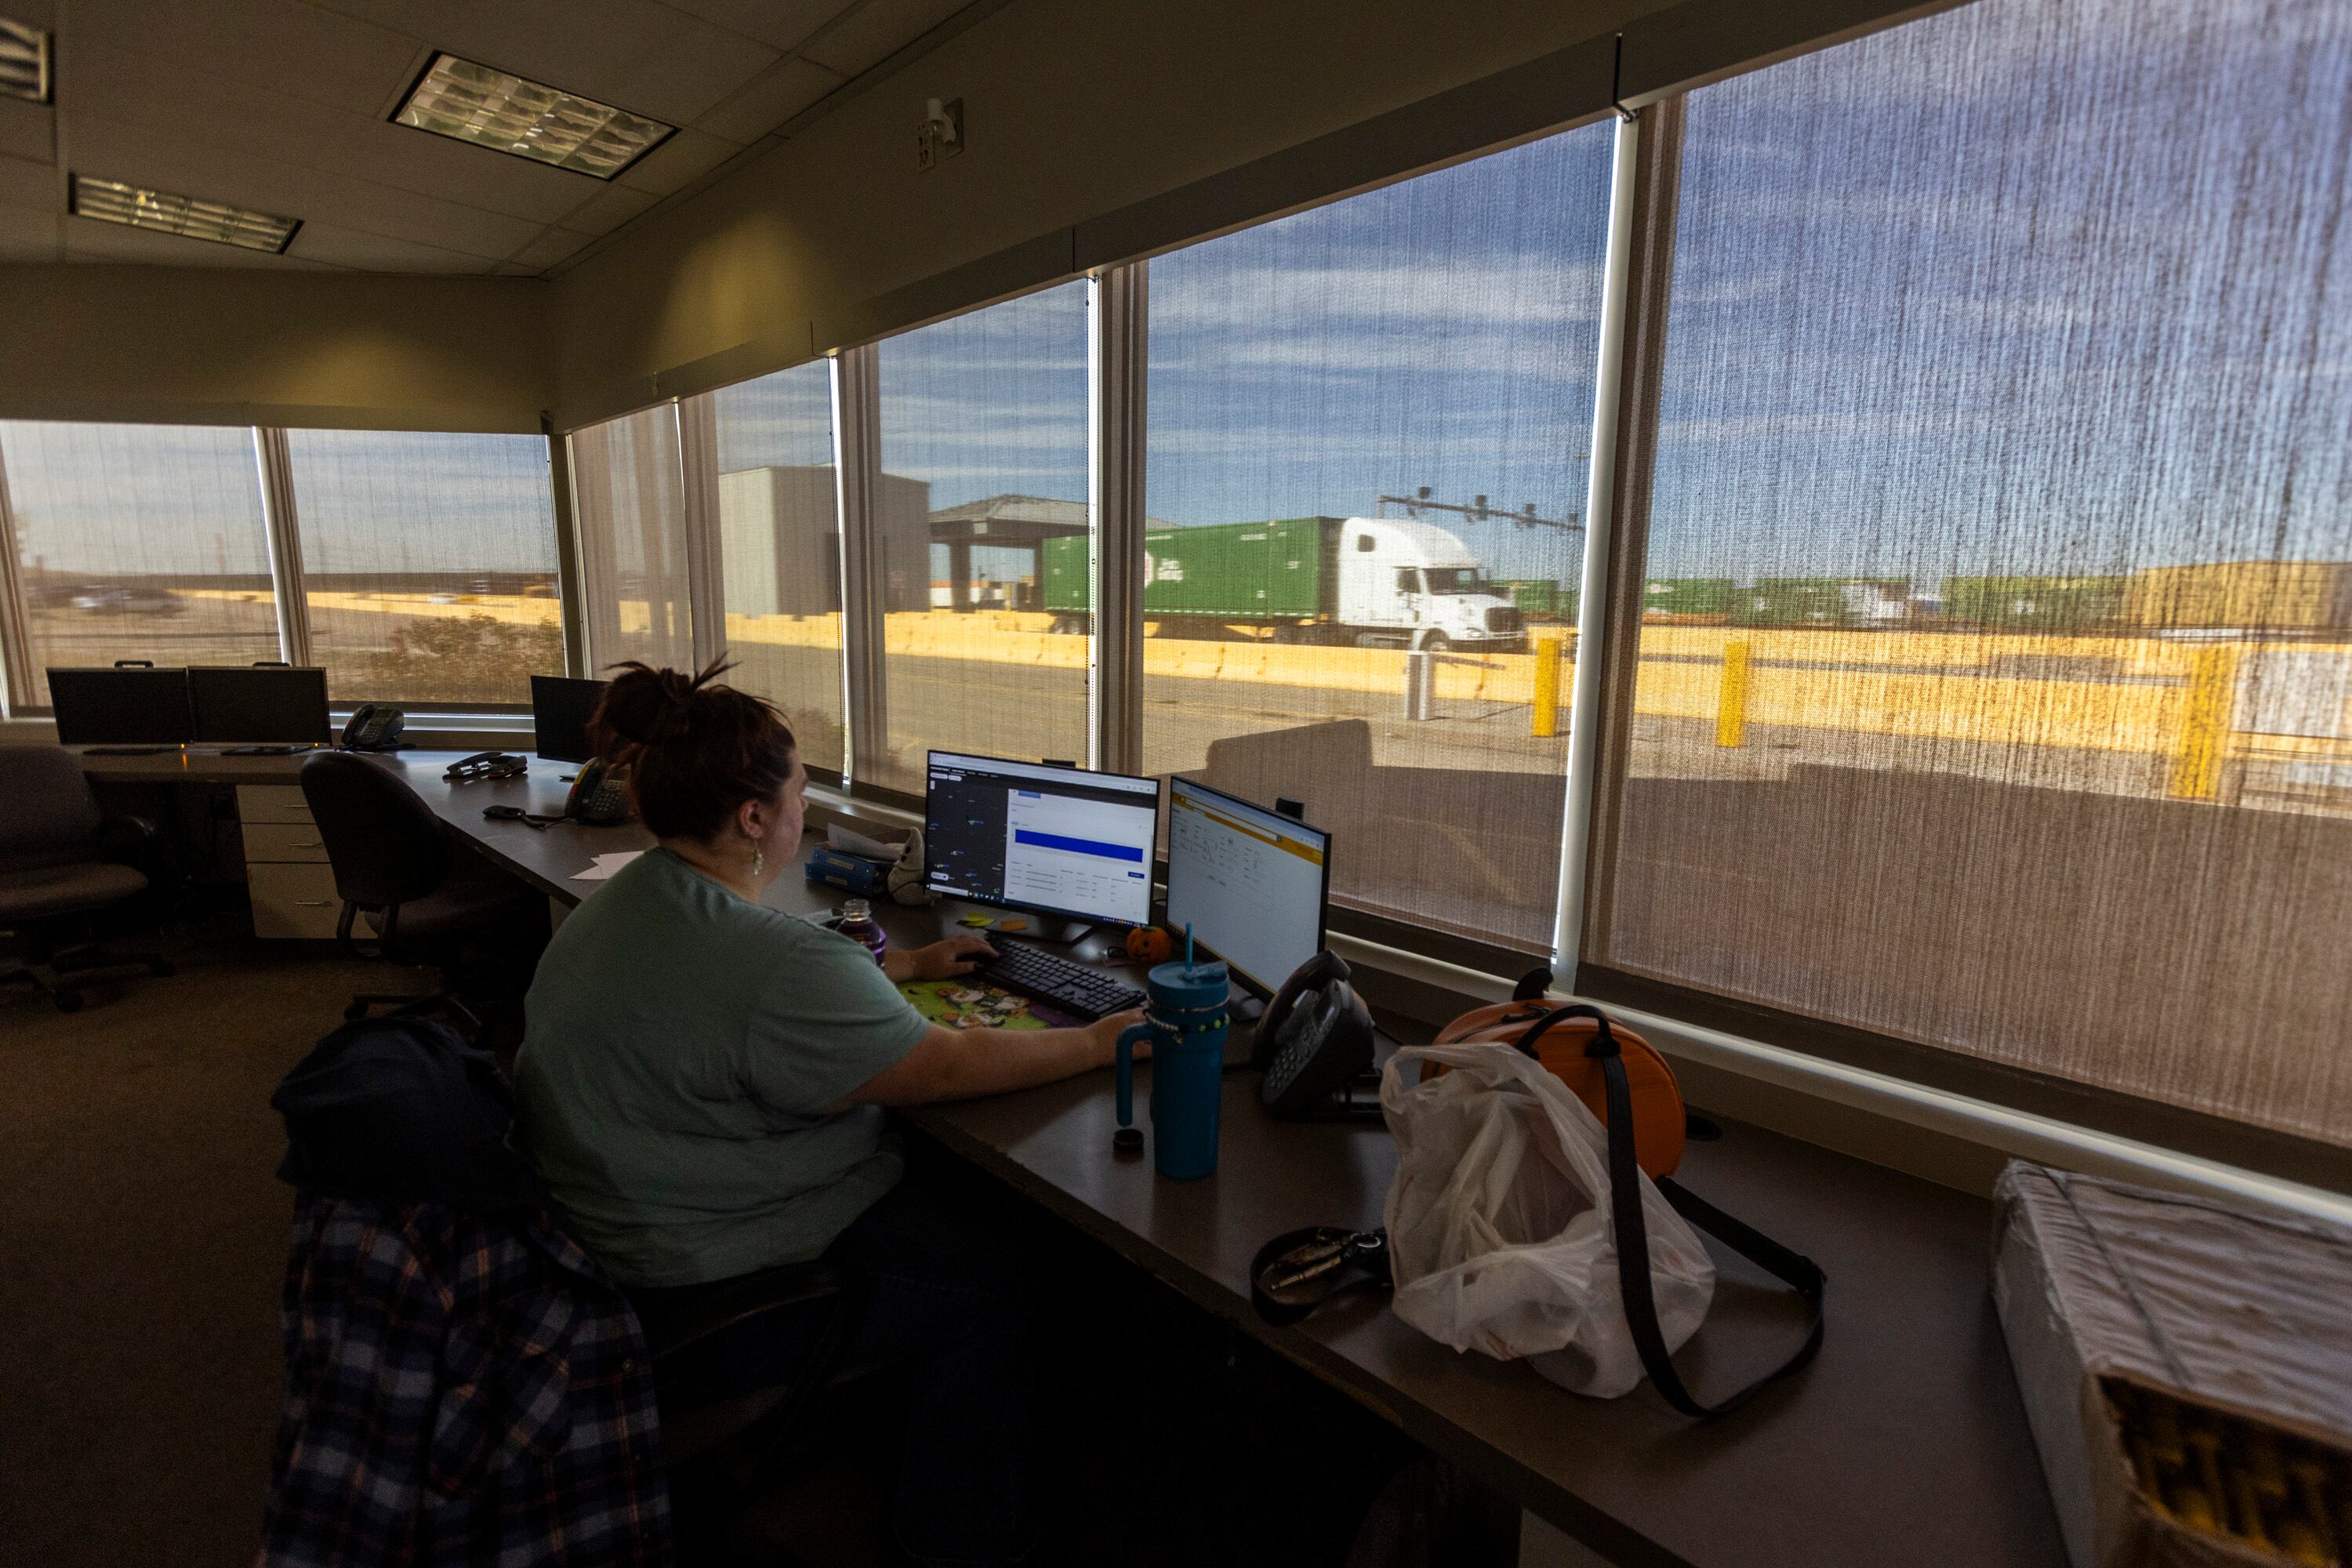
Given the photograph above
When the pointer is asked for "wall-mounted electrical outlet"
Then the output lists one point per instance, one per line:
(940, 136)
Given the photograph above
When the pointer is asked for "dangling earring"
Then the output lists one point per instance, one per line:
(758, 859)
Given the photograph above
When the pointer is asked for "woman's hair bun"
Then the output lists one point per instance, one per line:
(692, 747)
(644, 706)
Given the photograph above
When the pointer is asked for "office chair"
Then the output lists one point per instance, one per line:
(392, 865)
(63, 864)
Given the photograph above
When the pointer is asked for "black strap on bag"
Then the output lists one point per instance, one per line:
(1800, 1273)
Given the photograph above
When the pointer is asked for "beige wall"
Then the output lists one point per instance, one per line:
(1073, 108)
(233, 346)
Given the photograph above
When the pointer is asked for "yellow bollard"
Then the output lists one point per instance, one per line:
(1731, 703)
(2205, 725)
(1544, 716)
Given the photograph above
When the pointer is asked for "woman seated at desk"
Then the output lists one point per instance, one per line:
(702, 1078)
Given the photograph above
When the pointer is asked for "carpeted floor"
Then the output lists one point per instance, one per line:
(141, 1237)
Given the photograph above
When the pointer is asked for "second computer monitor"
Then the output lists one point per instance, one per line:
(560, 711)
(1253, 884)
(265, 704)
(1061, 841)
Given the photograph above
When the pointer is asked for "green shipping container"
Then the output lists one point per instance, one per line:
(1282, 571)
(1533, 596)
(1687, 595)
(2038, 603)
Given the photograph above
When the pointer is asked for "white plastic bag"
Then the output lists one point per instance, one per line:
(1499, 1233)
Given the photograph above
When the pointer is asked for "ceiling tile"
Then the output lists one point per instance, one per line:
(25, 183)
(283, 47)
(783, 90)
(133, 89)
(876, 30)
(28, 234)
(686, 156)
(37, 12)
(102, 148)
(608, 209)
(513, 269)
(638, 55)
(549, 248)
(89, 240)
(350, 247)
(27, 130)
(786, 24)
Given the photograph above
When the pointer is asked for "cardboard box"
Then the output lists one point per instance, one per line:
(2124, 1303)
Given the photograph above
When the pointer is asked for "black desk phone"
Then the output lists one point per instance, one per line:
(1315, 1039)
(598, 796)
(374, 726)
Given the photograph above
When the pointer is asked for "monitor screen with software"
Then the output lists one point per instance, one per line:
(275, 705)
(560, 711)
(122, 707)
(1064, 841)
(1253, 884)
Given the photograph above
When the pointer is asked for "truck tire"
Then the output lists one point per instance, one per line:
(1435, 642)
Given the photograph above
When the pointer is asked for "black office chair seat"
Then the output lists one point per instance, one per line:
(48, 891)
(457, 907)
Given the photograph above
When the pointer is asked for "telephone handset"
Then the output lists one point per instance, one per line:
(598, 796)
(374, 726)
(1315, 1039)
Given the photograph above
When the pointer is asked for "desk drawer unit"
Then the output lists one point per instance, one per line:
(293, 898)
(285, 868)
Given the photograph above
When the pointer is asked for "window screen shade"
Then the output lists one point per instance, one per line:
(1992, 679)
(629, 507)
(1438, 333)
(428, 562)
(136, 542)
(779, 545)
(983, 469)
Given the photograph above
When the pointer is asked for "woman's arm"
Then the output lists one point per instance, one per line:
(960, 1064)
(940, 961)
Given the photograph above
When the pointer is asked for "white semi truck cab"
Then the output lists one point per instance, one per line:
(1408, 583)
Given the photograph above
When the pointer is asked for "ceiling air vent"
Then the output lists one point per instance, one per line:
(24, 61)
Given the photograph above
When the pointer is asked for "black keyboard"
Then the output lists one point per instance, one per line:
(1059, 982)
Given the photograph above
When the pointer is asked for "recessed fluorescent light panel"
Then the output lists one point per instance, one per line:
(492, 109)
(111, 201)
(24, 61)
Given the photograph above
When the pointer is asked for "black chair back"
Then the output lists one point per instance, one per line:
(383, 840)
(50, 818)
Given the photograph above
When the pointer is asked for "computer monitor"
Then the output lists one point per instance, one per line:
(122, 707)
(559, 709)
(262, 705)
(1253, 884)
(1029, 836)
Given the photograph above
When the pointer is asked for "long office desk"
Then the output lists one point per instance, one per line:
(1904, 1442)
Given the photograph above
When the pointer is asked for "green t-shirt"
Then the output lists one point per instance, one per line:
(680, 1048)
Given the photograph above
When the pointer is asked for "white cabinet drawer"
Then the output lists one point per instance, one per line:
(293, 898)
(271, 803)
(282, 841)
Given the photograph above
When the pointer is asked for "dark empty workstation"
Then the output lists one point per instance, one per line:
(829, 783)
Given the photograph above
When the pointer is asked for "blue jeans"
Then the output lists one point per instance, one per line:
(952, 1302)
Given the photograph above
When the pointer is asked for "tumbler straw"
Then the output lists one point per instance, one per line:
(1188, 946)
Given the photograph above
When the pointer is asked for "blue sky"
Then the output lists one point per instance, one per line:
(2022, 286)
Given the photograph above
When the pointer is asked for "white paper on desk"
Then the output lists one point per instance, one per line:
(607, 864)
(849, 841)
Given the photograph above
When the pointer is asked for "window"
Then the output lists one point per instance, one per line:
(780, 540)
(1992, 687)
(630, 508)
(984, 477)
(1333, 399)
(428, 563)
(137, 541)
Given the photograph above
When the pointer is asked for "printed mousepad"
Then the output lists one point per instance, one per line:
(969, 1005)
